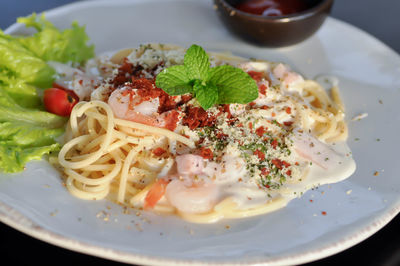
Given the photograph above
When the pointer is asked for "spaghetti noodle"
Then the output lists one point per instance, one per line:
(230, 161)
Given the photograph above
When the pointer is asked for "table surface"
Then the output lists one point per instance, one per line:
(378, 18)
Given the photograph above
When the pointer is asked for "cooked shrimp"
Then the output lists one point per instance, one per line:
(192, 197)
(189, 164)
(186, 192)
(316, 151)
(126, 104)
(288, 77)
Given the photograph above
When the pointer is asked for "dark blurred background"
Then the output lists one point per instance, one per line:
(379, 18)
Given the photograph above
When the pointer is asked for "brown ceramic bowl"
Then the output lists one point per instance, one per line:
(273, 31)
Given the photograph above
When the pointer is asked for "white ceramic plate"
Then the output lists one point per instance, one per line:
(35, 202)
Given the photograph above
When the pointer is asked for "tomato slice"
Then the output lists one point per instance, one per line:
(59, 101)
(155, 193)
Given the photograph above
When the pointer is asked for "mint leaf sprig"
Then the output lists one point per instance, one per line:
(218, 85)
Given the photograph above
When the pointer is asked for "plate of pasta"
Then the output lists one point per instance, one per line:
(186, 145)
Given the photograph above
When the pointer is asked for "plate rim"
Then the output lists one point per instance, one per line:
(15, 219)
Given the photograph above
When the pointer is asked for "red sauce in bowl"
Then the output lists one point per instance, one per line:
(270, 8)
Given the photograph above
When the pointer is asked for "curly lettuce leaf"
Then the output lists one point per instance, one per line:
(51, 44)
(10, 111)
(22, 142)
(23, 64)
(14, 158)
(24, 94)
(27, 132)
(27, 135)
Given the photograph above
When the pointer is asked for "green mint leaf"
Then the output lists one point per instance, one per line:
(234, 85)
(206, 94)
(197, 63)
(174, 80)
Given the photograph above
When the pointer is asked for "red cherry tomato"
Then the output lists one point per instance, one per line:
(59, 101)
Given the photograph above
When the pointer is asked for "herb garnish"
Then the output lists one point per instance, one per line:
(218, 85)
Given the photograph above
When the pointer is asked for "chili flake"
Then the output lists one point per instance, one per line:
(260, 131)
(158, 151)
(257, 76)
(259, 154)
(206, 153)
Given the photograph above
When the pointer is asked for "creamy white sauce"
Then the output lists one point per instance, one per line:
(318, 176)
(248, 194)
(231, 177)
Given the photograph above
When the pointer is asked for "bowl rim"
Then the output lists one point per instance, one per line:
(291, 17)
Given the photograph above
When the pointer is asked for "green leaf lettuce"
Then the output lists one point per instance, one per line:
(25, 134)
(27, 131)
(51, 44)
(14, 158)
(23, 64)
